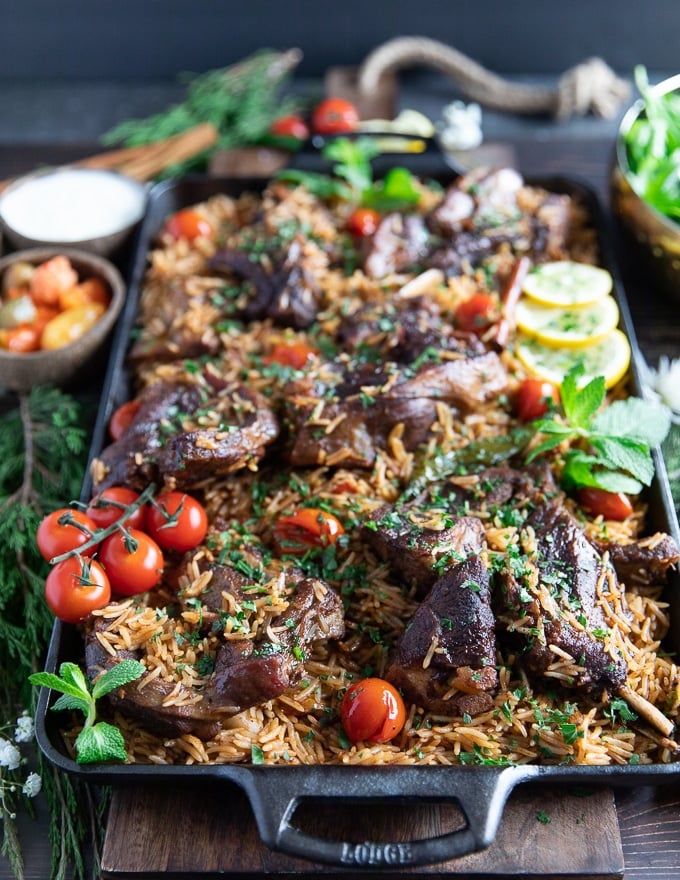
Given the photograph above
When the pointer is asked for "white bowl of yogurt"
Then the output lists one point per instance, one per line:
(82, 208)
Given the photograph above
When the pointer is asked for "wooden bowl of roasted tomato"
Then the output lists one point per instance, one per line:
(57, 306)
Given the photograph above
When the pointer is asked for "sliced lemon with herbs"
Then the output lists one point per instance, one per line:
(569, 327)
(610, 357)
(565, 284)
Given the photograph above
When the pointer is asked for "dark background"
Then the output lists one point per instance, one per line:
(133, 40)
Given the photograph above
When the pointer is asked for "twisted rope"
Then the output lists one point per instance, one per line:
(591, 86)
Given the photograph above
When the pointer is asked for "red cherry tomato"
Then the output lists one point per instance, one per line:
(290, 354)
(534, 398)
(335, 116)
(106, 508)
(188, 224)
(76, 587)
(610, 505)
(178, 522)
(133, 566)
(308, 527)
(363, 222)
(122, 418)
(372, 710)
(56, 533)
(290, 127)
(474, 315)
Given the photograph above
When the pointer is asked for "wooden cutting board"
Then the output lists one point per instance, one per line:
(190, 832)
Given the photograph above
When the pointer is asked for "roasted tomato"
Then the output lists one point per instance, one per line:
(308, 527)
(188, 224)
(177, 522)
(335, 116)
(363, 222)
(64, 530)
(122, 418)
(534, 398)
(372, 710)
(477, 313)
(290, 354)
(133, 562)
(76, 587)
(109, 505)
(610, 505)
(291, 126)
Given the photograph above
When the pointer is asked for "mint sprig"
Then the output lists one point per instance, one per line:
(611, 446)
(98, 740)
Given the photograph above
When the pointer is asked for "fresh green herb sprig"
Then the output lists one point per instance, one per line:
(98, 740)
(352, 177)
(611, 446)
(653, 148)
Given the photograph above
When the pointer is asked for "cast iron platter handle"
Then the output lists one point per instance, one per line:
(480, 792)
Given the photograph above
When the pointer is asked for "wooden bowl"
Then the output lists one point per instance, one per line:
(20, 372)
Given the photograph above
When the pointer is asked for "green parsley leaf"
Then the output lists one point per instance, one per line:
(256, 755)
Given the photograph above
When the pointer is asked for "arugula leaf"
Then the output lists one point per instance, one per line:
(96, 741)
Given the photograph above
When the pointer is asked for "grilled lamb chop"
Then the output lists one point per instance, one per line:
(361, 408)
(642, 562)
(246, 672)
(398, 245)
(183, 434)
(558, 617)
(418, 555)
(445, 660)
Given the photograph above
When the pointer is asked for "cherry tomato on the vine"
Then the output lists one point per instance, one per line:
(335, 116)
(107, 507)
(290, 354)
(610, 505)
(372, 710)
(122, 418)
(290, 127)
(177, 522)
(306, 528)
(133, 562)
(534, 398)
(363, 222)
(64, 530)
(76, 587)
(477, 313)
(189, 224)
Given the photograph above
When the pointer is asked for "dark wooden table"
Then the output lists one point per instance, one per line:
(649, 818)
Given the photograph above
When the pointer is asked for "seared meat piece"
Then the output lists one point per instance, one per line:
(254, 672)
(497, 486)
(445, 660)
(399, 244)
(246, 672)
(642, 562)
(284, 289)
(184, 433)
(454, 212)
(551, 227)
(557, 617)
(403, 330)
(417, 554)
(344, 420)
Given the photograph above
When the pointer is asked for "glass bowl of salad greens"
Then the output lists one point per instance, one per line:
(645, 180)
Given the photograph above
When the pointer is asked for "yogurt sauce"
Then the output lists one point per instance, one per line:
(72, 205)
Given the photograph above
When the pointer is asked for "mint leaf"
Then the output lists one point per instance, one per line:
(615, 481)
(625, 454)
(49, 680)
(102, 742)
(120, 674)
(635, 418)
(67, 702)
(544, 446)
(581, 404)
(73, 674)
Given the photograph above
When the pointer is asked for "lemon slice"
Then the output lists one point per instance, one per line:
(564, 283)
(570, 327)
(610, 357)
